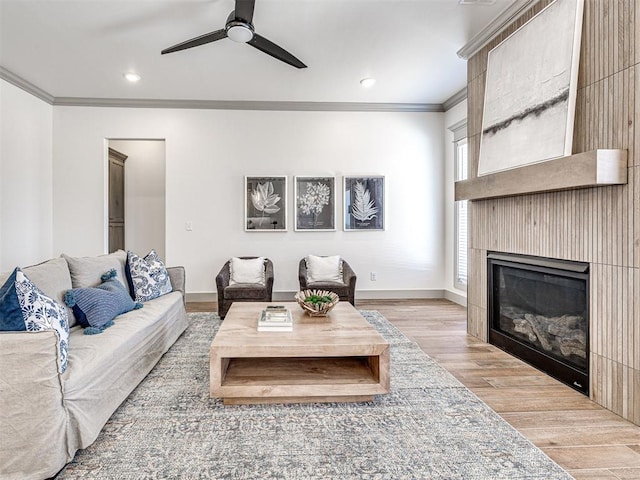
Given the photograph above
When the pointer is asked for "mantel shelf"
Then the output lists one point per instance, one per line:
(595, 168)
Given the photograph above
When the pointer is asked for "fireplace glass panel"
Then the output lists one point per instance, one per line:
(547, 311)
(539, 312)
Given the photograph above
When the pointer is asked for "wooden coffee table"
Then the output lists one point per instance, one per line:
(337, 358)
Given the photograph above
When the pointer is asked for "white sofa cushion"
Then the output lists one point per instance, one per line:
(88, 271)
(105, 368)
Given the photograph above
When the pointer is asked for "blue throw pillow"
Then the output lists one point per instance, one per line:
(24, 307)
(96, 307)
(11, 319)
(148, 278)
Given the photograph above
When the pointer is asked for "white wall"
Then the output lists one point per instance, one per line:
(25, 178)
(451, 117)
(208, 152)
(144, 194)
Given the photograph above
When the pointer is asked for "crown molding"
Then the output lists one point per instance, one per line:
(23, 84)
(459, 130)
(454, 99)
(248, 105)
(220, 104)
(495, 27)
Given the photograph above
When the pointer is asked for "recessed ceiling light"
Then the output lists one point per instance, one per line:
(132, 77)
(368, 82)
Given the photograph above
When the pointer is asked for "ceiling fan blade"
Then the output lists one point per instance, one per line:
(194, 42)
(244, 10)
(274, 50)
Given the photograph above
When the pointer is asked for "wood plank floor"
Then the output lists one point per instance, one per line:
(587, 440)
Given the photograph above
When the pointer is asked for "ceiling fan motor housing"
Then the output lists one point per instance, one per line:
(237, 29)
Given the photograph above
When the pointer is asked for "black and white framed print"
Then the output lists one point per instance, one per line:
(364, 203)
(315, 204)
(265, 204)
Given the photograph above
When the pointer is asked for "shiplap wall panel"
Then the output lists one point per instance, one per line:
(600, 226)
(632, 333)
(634, 116)
(634, 218)
(636, 34)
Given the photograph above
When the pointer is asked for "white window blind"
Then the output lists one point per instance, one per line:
(461, 263)
(461, 233)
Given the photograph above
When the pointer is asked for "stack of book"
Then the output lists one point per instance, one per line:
(275, 318)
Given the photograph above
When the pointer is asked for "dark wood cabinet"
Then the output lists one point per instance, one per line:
(116, 200)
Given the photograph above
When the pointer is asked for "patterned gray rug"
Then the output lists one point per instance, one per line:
(429, 427)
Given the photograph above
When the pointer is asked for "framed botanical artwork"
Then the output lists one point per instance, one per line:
(265, 204)
(364, 203)
(315, 204)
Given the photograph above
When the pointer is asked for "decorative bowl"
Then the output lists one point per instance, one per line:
(317, 303)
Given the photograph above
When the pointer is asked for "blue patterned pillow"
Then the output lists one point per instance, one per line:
(23, 307)
(148, 278)
(96, 307)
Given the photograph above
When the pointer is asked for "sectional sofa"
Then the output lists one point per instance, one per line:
(46, 416)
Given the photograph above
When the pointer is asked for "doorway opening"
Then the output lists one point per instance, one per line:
(137, 195)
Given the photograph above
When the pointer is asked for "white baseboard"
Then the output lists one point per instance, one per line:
(455, 297)
(398, 294)
(202, 297)
(360, 295)
(377, 294)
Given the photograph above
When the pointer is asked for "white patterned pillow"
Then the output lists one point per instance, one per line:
(40, 313)
(148, 278)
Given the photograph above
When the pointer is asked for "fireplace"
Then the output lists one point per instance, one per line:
(539, 312)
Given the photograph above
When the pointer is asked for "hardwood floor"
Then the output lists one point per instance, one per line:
(587, 440)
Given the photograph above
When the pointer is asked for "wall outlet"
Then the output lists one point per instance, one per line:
(374, 276)
(188, 226)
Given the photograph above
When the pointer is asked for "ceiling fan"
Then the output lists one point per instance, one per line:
(239, 28)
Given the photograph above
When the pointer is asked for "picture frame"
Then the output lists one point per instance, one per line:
(315, 204)
(530, 95)
(265, 203)
(364, 202)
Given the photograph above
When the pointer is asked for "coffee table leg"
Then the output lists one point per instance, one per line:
(217, 370)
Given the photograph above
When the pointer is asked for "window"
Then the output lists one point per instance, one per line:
(460, 210)
(461, 230)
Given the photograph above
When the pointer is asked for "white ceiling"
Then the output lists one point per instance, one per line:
(81, 48)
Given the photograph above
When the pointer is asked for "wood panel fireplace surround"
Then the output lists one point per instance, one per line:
(539, 312)
(544, 212)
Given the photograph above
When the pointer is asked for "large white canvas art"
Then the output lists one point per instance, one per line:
(531, 89)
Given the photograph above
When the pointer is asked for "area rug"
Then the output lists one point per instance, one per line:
(429, 427)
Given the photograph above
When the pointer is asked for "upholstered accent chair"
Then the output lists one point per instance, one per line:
(228, 292)
(346, 289)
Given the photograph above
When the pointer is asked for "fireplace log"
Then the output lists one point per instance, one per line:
(574, 343)
(521, 325)
(511, 312)
(540, 325)
(561, 325)
(561, 331)
(566, 333)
